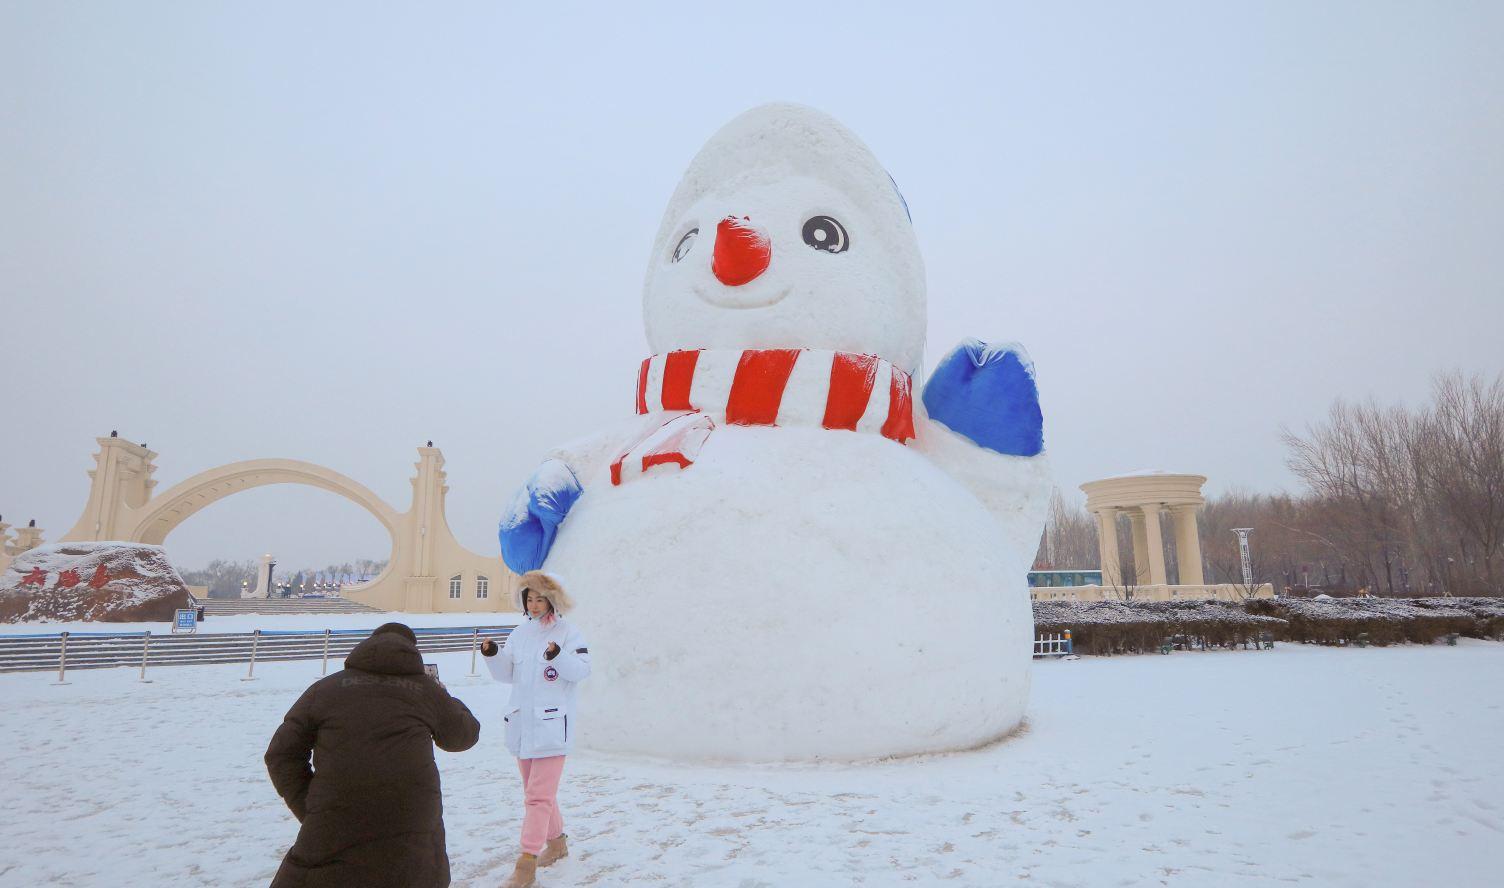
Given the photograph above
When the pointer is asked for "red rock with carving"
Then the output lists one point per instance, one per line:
(128, 583)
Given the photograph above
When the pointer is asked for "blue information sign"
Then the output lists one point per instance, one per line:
(185, 620)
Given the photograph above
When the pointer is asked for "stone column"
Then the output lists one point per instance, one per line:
(264, 578)
(1188, 546)
(1140, 547)
(120, 483)
(27, 538)
(1155, 542)
(1107, 546)
(428, 509)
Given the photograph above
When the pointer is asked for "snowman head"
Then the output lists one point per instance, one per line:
(786, 232)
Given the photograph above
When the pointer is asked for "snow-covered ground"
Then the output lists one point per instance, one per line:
(1305, 765)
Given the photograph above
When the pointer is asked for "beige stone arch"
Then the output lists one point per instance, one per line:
(177, 504)
(425, 554)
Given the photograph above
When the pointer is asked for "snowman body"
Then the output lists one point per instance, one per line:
(781, 556)
(796, 594)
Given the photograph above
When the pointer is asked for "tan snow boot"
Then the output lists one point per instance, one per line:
(524, 875)
(555, 850)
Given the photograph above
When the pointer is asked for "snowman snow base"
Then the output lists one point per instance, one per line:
(795, 595)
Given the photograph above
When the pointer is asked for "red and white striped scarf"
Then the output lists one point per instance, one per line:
(683, 394)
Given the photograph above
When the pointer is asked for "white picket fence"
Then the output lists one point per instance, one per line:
(1053, 645)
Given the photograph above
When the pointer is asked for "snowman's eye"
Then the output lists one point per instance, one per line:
(686, 243)
(825, 233)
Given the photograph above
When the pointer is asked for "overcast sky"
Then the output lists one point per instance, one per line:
(328, 232)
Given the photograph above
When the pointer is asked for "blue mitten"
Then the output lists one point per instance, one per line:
(528, 528)
(987, 393)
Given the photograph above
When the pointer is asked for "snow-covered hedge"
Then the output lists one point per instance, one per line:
(1385, 620)
(1109, 627)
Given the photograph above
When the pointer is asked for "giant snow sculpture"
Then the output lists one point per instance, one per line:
(781, 553)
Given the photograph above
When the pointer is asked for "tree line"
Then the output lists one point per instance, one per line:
(1396, 501)
(225, 578)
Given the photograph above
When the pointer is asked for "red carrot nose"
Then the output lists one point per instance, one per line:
(741, 252)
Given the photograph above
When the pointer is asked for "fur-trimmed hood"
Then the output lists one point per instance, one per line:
(549, 586)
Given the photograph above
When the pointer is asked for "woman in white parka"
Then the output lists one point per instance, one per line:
(544, 659)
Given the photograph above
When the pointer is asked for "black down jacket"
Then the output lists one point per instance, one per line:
(370, 804)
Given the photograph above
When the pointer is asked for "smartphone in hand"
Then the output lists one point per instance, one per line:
(431, 670)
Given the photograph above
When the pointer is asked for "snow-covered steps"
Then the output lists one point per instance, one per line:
(224, 607)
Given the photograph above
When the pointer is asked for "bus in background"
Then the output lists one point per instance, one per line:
(1049, 579)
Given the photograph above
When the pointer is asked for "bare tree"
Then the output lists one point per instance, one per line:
(223, 578)
(1408, 501)
(1463, 440)
(1069, 540)
(1353, 461)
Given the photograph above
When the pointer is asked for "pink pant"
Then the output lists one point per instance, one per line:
(541, 819)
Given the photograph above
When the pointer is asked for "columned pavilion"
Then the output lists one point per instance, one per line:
(1149, 500)
(1145, 497)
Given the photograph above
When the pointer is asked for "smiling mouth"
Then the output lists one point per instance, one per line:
(725, 298)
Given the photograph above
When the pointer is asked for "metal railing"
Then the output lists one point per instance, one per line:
(101, 650)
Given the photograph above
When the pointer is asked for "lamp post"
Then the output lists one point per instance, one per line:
(1243, 533)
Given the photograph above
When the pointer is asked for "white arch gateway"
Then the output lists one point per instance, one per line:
(428, 571)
